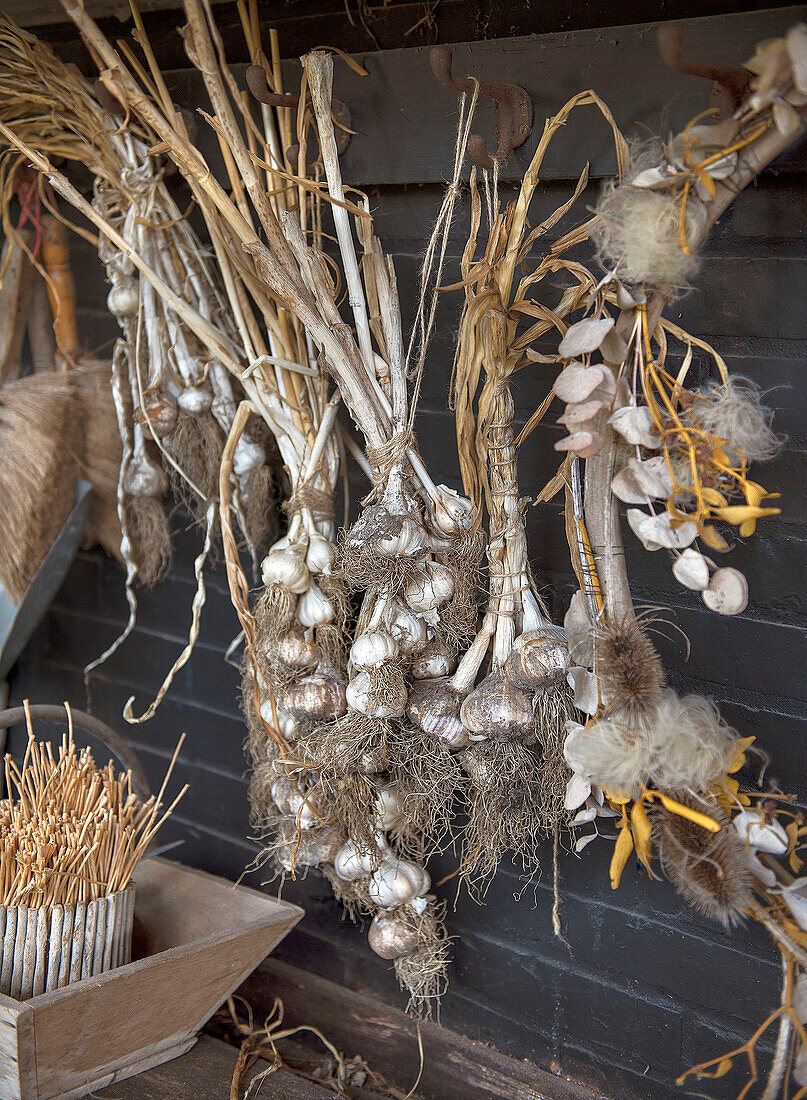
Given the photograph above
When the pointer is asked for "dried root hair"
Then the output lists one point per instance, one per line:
(553, 709)
(734, 411)
(352, 895)
(259, 501)
(459, 617)
(682, 743)
(505, 811)
(331, 638)
(424, 973)
(629, 669)
(101, 454)
(429, 778)
(638, 232)
(150, 536)
(274, 614)
(196, 445)
(709, 869)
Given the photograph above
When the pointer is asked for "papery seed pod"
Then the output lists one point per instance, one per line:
(391, 937)
(451, 513)
(353, 862)
(315, 699)
(248, 457)
(123, 299)
(373, 649)
(498, 708)
(408, 629)
(691, 569)
(294, 649)
(362, 696)
(759, 833)
(435, 660)
(158, 412)
(397, 882)
(319, 555)
(434, 708)
(727, 592)
(431, 586)
(144, 479)
(538, 659)
(195, 400)
(286, 568)
(389, 808)
(314, 608)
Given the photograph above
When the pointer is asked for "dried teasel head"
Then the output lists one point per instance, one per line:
(629, 668)
(498, 709)
(434, 708)
(538, 659)
(709, 869)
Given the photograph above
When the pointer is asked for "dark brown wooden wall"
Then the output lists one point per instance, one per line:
(648, 987)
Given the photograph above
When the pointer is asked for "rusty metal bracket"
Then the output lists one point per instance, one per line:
(513, 110)
(259, 87)
(730, 84)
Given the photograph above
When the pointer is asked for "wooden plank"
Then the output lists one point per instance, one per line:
(405, 122)
(387, 1039)
(206, 1071)
(33, 13)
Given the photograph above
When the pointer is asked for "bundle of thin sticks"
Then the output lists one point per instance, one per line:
(71, 832)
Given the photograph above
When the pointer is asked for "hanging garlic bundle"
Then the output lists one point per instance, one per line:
(661, 764)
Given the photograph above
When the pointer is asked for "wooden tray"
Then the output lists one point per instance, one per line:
(196, 938)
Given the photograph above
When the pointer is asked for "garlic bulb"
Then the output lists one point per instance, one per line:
(435, 660)
(404, 539)
(498, 708)
(123, 299)
(538, 658)
(158, 412)
(451, 513)
(294, 649)
(353, 862)
(396, 882)
(391, 938)
(312, 850)
(408, 629)
(389, 808)
(287, 725)
(285, 568)
(315, 699)
(293, 803)
(319, 555)
(195, 400)
(364, 697)
(314, 608)
(144, 479)
(434, 707)
(431, 586)
(373, 649)
(248, 457)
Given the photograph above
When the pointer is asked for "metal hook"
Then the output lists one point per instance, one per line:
(731, 83)
(513, 114)
(259, 87)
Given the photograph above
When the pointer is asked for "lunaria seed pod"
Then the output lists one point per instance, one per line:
(158, 412)
(396, 882)
(363, 696)
(294, 649)
(195, 400)
(315, 699)
(285, 568)
(314, 608)
(498, 708)
(408, 629)
(434, 708)
(373, 650)
(452, 514)
(435, 660)
(538, 659)
(391, 937)
(353, 862)
(389, 808)
(727, 592)
(431, 586)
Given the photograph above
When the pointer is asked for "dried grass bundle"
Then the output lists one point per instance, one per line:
(71, 832)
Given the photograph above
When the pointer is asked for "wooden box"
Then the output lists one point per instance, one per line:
(196, 938)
